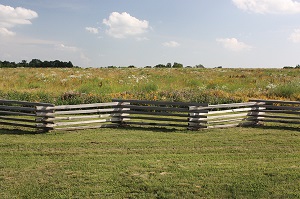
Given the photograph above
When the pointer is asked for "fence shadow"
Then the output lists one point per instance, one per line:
(269, 127)
(152, 129)
(7, 131)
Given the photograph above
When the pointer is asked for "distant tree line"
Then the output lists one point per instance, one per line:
(168, 65)
(290, 67)
(36, 63)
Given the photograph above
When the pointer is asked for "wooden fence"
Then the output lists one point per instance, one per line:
(278, 112)
(225, 115)
(160, 113)
(45, 117)
(23, 114)
(84, 116)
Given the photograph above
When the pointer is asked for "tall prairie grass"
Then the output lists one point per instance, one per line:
(78, 85)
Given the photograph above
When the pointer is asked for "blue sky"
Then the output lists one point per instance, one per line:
(99, 33)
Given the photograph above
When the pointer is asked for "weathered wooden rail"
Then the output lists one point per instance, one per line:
(23, 114)
(83, 116)
(227, 115)
(280, 112)
(194, 116)
(161, 113)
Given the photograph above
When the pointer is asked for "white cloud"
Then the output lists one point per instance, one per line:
(6, 32)
(10, 17)
(123, 25)
(66, 48)
(233, 44)
(295, 36)
(171, 44)
(268, 6)
(92, 30)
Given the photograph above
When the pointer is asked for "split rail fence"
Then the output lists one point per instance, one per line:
(194, 116)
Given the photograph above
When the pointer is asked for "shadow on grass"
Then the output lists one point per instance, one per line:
(270, 127)
(154, 129)
(163, 129)
(18, 131)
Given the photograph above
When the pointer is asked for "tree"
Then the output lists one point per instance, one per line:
(160, 66)
(35, 63)
(199, 66)
(169, 65)
(177, 65)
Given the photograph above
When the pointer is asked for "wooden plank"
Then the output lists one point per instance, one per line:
(155, 118)
(80, 117)
(88, 122)
(281, 107)
(155, 113)
(278, 116)
(226, 121)
(198, 115)
(87, 127)
(197, 120)
(17, 119)
(16, 113)
(230, 111)
(155, 124)
(3, 101)
(222, 106)
(155, 108)
(233, 105)
(45, 125)
(17, 108)
(44, 114)
(163, 103)
(88, 111)
(18, 124)
(226, 116)
(275, 101)
(79, 106)
(277, 111)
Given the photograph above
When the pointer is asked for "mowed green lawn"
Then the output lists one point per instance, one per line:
(259, 162)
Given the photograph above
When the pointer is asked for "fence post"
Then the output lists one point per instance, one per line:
(120, 113)
(45, 118)
(198, 117)
(255, 113)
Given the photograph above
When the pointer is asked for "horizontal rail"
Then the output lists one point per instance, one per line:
(79, 106)
(87, 122)
(155, 118)
(156, 124)
(2, 101)
(163, 103)
(276, 101)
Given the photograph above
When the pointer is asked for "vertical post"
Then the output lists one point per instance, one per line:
(197, 117)
(45, 118)
(120, 114)
(255, 113)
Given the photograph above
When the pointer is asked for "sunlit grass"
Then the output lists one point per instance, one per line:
(151, 163)
(189, 84)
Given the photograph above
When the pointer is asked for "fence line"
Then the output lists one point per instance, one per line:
(276, 111)
(22, 114)
(87, 116)
(157, 113)
(194, 116)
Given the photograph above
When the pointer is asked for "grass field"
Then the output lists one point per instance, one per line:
(78, 85)
(151, 163)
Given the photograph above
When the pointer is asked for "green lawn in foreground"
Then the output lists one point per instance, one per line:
(151, 163)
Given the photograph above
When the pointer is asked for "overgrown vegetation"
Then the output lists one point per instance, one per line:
(77, 85)
(153, 163)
